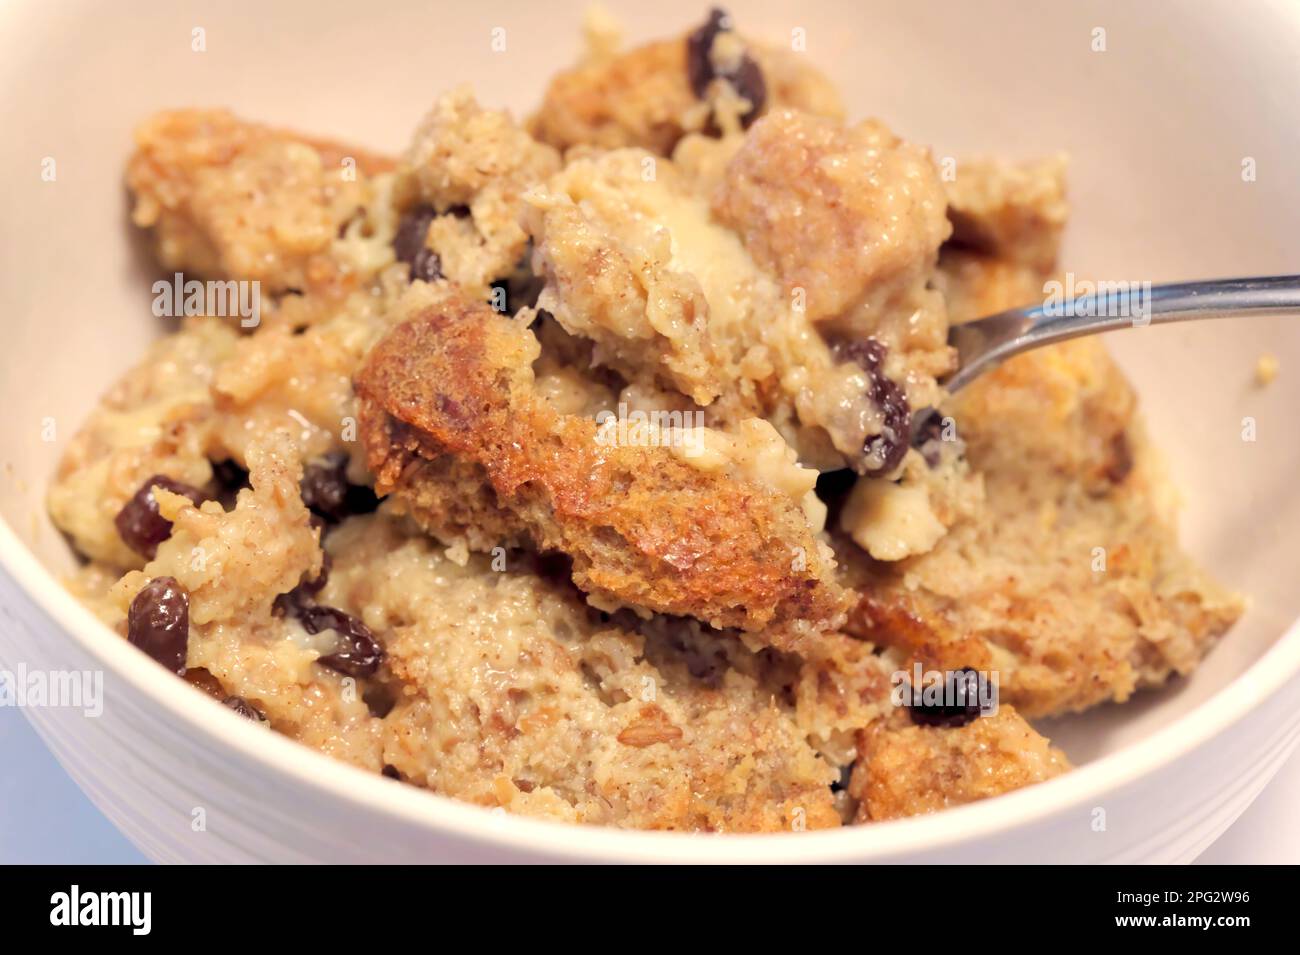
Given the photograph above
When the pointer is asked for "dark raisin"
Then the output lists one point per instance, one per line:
(139, 523)
(325, 489)
(746, 78)
(426, 266)
(699, 66)
(412, 231)
(868, 353)
(361, 653)
(324, 486)
(201, 679)
(244, 708)
(963, 687)
(158, 622)
(884, 451)
(379, 699)
(748, 82)
(303, 596)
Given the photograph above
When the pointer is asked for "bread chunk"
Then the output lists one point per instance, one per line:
(452, 426)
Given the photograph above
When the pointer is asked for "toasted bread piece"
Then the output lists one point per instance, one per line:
(471, 166)
(448, 407)
(228, 199)
(908, 770)
(644, 97)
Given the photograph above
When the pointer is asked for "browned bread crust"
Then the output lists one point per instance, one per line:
(451, 426)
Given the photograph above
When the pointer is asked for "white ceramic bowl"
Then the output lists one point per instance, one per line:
(1158, 126)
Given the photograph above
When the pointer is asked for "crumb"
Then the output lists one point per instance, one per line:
(1266, 370)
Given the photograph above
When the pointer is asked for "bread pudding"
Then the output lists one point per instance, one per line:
(599, 467)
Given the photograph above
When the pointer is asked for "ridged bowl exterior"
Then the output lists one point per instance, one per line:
(149, 766)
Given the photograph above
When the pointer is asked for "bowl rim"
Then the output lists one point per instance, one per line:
(217, 727)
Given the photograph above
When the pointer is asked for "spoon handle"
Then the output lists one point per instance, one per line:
(985, 343)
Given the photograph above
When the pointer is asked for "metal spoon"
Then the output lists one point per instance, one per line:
(985, 343)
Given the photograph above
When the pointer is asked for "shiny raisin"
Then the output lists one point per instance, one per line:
(745, 77)
(140, 525)
(158, 622)
(412, 231)
(882, 452)
(360, 654)
(325, 489)
(244, 708)
(964, 688)
(301, 597)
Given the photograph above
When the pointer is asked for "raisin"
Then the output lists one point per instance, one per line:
(884, 451)
(205, 682)
(965, 687)
(746, 78)
(244, 708)
(379, 699)
(158, 622)
(303, 596)
(325, 489)
(699, 66)
(747, 81)
(361, 653)
(426, 266)
(412, 231)
(139, 523)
